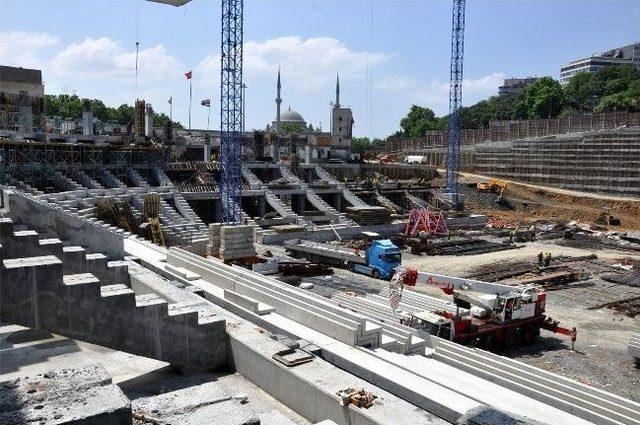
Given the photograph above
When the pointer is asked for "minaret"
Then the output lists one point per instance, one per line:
(278, 102)
(337, 105)
(276, 153)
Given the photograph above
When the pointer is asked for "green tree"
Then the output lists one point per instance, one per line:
(360, 144)
(544, 98)
(51, 105)
(292, 128)
(419, 120)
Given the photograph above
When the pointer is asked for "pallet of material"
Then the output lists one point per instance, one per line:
(369, 216)
(236, 242)
(287, 228)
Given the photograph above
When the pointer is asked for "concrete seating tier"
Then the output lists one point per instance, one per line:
(44, 292)
(596, 162)
(581, 400)
(308, 309)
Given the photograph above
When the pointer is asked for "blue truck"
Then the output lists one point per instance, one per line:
(380, 258)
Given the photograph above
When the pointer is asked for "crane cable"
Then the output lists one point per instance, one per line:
(137, 42)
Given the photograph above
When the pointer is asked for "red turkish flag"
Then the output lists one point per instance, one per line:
(188, 75)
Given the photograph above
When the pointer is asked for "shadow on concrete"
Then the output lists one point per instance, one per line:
(538, 348)
(167, 379)
(22, 336)
(12, 359)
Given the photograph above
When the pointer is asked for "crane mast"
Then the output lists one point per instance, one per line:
(455, 99)
(231, 111)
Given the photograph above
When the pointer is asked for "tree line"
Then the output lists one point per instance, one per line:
(615, 88)
(70, 107)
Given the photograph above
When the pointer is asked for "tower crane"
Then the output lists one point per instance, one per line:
(455, 100)
(231, 106)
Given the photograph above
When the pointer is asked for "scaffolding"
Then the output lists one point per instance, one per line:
(35, 163)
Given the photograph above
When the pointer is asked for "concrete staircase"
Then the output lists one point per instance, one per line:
(161, 177)
(351, 197)
(254, 182)
(84, 179)
(336, 217)
(136, 178)
(387, 203)
(111, 181)
(291, 178)
(65, 183)
(281, 208)
(45, 293)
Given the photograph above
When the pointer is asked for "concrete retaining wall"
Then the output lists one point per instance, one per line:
(35, 293)
(52, 221)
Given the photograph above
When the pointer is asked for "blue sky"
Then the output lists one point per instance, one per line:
(390, 53)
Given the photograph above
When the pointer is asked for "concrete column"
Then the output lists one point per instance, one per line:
(261, 206)
(148, 120)
(25, 112)
(87, 119)
(337, 204)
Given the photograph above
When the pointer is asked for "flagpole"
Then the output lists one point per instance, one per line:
(190, 93)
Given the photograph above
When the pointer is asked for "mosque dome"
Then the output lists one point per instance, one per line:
(290, 116)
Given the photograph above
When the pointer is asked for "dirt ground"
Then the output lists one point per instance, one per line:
(530, 203)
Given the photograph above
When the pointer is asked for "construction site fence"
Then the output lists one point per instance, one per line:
(517, 129)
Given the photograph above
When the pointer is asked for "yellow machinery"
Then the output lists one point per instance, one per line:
(493, 185)
(152, 212)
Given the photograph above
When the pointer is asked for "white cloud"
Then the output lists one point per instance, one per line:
(307, 64)
(435, 93)
(106, 58)
(21, 48)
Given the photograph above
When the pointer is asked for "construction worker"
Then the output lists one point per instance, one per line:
(547, 260)
(540, 258)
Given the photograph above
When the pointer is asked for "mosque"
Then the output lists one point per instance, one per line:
(312, 144)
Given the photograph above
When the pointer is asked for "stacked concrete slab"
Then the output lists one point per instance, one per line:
(580, 400)
(309, 309)
(82, 395)
(38, 292)
(403, 339)
(236, 241)
(213, 247)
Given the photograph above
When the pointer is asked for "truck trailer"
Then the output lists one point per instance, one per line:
(379, 258)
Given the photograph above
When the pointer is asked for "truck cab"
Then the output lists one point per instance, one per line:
(383, 257)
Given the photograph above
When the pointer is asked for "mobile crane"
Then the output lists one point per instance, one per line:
(488, 315)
